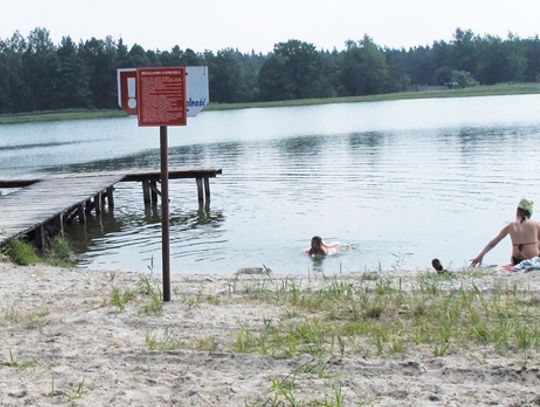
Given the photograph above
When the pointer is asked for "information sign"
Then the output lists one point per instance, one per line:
(161, 94)
(127, 90)
(197, 97)
(197, 93)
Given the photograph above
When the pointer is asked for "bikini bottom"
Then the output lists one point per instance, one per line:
(516, 261)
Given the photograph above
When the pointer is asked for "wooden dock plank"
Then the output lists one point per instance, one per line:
(40, 200)
(37, 203)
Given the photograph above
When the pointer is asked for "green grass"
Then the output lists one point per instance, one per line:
(483, 90)
(59, 252)
(120, 298)
(76, 392)
(17, 363)
(167, 342)
(21, 253)
(145, 293)
(379, 317)
(58, 115)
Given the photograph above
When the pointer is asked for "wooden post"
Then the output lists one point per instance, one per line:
(207, 190)
(88, 206)
(110, 198)
(165, 214)
(97, 203)
(61, 223)
(200, 191)
(82, 213)
(153, 190)
(146, 191)
(40, 236)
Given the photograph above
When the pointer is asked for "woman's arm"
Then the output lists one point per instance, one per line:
(490, 245)
(329, 245)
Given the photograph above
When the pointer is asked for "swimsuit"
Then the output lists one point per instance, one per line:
(516, 260)
(520, 246)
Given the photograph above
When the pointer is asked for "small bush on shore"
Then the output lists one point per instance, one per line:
(59, 252)
(22, 253)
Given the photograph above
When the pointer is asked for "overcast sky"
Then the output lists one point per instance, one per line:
(259, 24)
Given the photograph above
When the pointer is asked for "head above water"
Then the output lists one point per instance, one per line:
(316, 249)
(316, 241)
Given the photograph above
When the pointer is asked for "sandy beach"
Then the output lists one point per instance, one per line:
(89, 338)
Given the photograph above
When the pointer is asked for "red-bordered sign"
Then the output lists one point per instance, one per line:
(127, 90)
(161, 96)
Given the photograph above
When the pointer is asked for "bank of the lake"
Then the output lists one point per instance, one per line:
(484, 90)
(470, 337)
(60, 115)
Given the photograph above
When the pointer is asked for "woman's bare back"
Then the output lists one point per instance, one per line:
(525, 238)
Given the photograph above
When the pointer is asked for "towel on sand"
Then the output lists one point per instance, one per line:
(525, 265)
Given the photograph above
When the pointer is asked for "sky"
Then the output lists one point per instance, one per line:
(259, 24)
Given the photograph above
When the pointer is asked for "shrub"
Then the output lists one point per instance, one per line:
(22, 253)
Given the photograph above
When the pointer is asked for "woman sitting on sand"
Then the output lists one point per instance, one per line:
(524, 232)
(321, 248)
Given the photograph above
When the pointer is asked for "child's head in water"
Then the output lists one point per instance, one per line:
(316, 246)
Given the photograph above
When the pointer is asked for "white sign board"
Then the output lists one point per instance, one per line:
(197, 93)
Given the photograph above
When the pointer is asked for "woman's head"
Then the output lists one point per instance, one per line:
(316, 243)
(524, 209)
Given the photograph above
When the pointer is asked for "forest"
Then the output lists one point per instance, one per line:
(36, 74)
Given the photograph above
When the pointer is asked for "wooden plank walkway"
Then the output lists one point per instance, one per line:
(33, 206)
(54, 199)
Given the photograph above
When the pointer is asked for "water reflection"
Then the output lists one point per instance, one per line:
(369, 139)
(299, 147)
(84, 236)
(135, 236)
(317, 263)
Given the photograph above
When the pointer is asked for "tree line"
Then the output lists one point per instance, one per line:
(37, 74)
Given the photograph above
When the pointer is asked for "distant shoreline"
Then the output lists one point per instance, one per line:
(483, 90)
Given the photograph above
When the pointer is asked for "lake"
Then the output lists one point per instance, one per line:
(402, 181)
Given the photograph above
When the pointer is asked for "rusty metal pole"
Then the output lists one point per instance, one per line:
(165, 262)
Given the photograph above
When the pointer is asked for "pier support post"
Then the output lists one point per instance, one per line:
(82, 213)
(153, 190)
(146, 191)
(61, 223)
(110, 198)
(88, 206)
(200, 194)
(207, 190)
(97, 203)
(40, 237)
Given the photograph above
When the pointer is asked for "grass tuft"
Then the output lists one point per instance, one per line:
(60, 252)
(22, 253)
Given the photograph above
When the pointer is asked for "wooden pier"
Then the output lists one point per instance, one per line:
(57, 199)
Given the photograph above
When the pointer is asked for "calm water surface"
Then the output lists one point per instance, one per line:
(401, 181)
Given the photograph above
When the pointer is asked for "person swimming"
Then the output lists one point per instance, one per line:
(321, 248)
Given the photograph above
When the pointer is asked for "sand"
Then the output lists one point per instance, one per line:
(64, 342)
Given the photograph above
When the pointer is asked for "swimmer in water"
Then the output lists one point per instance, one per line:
(320, 248)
